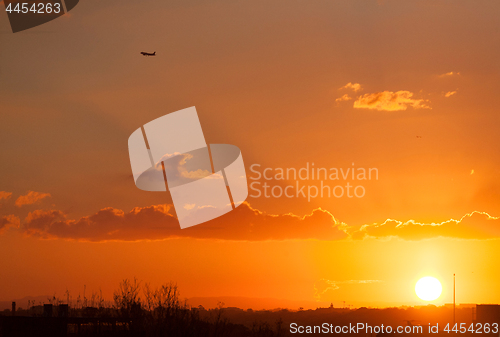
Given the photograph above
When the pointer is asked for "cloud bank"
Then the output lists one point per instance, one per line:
(245, 223)
(475, 225)
(156, 222)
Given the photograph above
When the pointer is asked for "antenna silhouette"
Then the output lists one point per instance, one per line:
(454, 308)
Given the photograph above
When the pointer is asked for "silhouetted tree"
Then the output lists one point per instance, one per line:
(128, 304)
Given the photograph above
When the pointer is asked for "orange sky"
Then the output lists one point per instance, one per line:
(409, 88)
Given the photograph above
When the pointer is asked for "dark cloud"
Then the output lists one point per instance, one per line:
(244, 223)
(8, 221)
(157, 222)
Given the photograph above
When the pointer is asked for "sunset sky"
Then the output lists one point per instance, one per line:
(409, 87)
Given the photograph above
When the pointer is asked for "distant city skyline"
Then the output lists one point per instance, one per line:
(406, 87)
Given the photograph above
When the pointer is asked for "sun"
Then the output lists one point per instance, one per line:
(428, 288)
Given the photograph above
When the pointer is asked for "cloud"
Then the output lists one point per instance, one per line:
(245, 223)
(322, 286)
(475, 225)
(156, 222)
(451, 73)
(8, 221)
(5, 195)
(390, 101)
(184, 168)
(450, 93)
(346, 97)
(354, 86)
(31, 198)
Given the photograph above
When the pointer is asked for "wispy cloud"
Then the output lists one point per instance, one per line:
(345, 97)
(354, 86)
(451, 73)
(31, 198)
(390, 101)
(450, 93)
(322, 286)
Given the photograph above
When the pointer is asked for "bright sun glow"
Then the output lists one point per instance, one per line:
(428, 288)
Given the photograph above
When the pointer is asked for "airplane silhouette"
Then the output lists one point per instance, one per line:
(148, 54)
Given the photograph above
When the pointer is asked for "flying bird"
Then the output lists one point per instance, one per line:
(148, 54)
(419, 136)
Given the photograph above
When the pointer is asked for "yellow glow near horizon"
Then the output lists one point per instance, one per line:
(428, 288)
